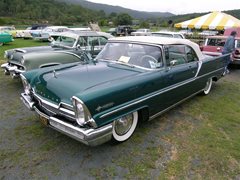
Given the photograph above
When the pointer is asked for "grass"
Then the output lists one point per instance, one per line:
(211, 148)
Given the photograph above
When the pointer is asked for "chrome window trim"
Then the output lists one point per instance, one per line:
(158, 93)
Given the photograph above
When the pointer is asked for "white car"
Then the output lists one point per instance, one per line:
(47, 32)
(141, 32)
(26, 34)
(168, 34)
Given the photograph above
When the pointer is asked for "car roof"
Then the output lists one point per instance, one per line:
(159, 41)
(76, 34)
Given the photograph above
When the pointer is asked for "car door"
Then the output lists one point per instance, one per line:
(181, 65)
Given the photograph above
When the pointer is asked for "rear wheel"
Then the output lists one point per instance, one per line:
(208, 87)
(124, 127)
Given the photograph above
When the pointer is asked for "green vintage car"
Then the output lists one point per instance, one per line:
(5, 37)
(65, 48)
(132, 79)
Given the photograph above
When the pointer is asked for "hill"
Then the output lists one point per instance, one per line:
(117, 9)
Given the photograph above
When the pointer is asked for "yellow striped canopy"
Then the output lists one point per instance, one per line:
(214, 20)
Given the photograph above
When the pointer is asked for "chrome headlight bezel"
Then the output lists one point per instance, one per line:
(22, 60)
(26, 86)
(82, 113)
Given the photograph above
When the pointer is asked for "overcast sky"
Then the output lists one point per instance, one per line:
(175, 6)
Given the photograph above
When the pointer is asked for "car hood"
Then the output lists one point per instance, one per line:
(59, 84)
(15, 55)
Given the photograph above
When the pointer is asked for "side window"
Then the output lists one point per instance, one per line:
(93, 41)
(211, 42)
(191, 55)
(175, 55)
(102, 41)
(82, 41)
(177, 36)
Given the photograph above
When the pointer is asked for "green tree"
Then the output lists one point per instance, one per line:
(144, 24)
(123, 19)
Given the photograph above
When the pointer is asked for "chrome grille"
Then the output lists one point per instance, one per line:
(53, 109)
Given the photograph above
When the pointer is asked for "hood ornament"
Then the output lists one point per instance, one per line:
(54, 74)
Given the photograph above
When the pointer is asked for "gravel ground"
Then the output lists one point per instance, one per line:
(28, 150)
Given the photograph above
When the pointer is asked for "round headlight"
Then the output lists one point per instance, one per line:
(26, 86)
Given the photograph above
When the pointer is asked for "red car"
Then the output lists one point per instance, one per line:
(214, 44)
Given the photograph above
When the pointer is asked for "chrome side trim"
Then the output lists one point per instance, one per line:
(174, 105)
(199, 68)
(159, 92)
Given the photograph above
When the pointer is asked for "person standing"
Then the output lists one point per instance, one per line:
(229, 47)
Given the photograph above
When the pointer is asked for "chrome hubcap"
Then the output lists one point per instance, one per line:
(123, 124)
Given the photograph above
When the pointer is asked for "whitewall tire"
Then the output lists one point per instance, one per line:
(208, 87)
(124, 127)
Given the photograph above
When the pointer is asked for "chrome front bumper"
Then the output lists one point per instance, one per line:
(13, 70)
(88, 136)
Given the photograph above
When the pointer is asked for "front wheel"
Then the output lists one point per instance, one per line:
(208, 87)
(124, 127)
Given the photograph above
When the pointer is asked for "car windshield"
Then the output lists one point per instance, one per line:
(140, 55)
(64, 41)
